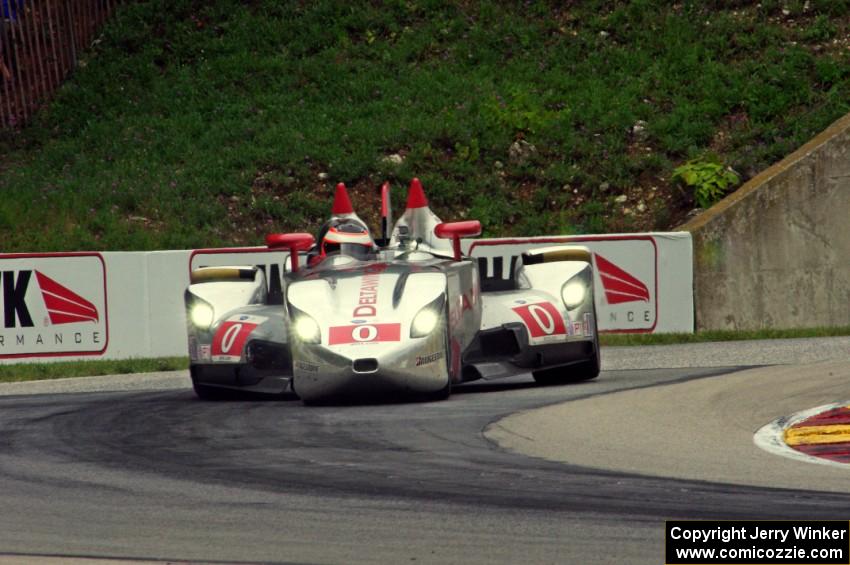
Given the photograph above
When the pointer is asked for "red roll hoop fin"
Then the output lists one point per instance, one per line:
(342, 204)
(416, 196)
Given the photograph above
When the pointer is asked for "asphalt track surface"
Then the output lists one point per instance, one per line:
(137, 468)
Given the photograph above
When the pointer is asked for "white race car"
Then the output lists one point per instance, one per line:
(410, 316)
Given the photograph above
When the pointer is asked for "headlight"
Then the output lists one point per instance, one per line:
(424, 323)
(573, 293)
(201, 314)
(307, 329)
(427, 318)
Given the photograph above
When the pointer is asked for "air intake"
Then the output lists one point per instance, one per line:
(365, 365)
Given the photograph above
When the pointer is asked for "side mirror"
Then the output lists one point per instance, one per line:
(457, 230)
(295, 242)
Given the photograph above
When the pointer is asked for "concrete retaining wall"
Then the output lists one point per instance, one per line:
(776, 253)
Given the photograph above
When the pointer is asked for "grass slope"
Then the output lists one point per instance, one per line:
(195, 123)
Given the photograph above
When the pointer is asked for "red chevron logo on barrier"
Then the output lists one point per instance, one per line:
(619, 285)
(63, 305)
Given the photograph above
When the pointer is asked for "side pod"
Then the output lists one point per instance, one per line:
(563, 271)
(557, 253)
(214, 291)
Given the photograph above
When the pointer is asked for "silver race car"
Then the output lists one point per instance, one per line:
(408, 315)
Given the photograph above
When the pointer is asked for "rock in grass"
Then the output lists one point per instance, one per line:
(521, 151)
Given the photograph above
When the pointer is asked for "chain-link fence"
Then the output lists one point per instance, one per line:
(40, 41)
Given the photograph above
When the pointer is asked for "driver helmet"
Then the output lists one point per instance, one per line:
(348, 238)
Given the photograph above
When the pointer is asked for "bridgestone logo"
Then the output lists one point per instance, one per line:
(426, 359)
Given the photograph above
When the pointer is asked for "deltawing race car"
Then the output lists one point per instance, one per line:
(408, 314)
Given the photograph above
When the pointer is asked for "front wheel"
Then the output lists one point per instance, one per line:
(206, 392)
(583, 371)
(441, 394)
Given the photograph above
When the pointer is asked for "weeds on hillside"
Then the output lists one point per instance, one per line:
(708, 179)
(212, 123)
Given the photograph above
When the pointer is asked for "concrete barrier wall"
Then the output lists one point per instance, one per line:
(776, 253)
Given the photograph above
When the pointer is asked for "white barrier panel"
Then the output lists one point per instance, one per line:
(167, 278)
(61, 306)
(65, 306)
(644, 282)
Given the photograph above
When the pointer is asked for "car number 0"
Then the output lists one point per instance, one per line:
(370, 333)
(538, 312)
(229, 337)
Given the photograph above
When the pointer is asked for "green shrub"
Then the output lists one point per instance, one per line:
(709, 180)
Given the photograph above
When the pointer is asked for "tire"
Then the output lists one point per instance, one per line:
(590, 369)
(583, 371)
(441, 394)
(206, 392)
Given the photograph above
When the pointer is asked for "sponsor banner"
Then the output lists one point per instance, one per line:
(642, 282)
(628, 278)
(53, 305)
